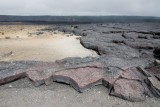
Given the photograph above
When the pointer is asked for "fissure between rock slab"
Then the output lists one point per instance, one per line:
(129, 83)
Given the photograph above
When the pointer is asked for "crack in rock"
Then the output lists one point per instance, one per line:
(124, 49)
(126, 83)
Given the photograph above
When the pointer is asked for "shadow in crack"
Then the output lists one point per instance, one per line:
(157, 53)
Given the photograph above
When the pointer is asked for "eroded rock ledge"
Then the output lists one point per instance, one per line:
(131, 83)
(125, 66)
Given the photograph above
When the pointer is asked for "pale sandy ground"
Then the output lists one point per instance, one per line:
(26, 45)
(22, 93)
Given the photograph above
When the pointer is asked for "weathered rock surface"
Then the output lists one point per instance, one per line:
(127, 83)
(124, 49)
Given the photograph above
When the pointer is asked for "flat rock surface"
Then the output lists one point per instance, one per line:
(125, 51)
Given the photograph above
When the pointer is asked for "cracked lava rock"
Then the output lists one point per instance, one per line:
(126, 65)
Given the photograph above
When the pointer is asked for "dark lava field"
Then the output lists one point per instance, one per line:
(128, 64)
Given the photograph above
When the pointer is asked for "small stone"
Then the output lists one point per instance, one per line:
(78, 38)
(10, 86)
(7, 37)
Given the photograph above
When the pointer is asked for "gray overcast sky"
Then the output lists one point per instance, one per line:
(80, 7)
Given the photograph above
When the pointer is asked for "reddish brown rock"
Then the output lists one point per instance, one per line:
(127, 83)
(83, 77)
(130, 85)
(133, 73)
(128, 89)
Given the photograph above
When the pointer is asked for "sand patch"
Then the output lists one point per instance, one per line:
(19, 31)
(48, 46)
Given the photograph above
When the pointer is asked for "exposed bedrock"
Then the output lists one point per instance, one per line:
(124, 49)
(124, 82)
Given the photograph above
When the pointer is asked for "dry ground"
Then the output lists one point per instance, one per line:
(27, 42)
(22, 93)
(20, 42)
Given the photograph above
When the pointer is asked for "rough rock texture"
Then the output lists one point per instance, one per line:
(127, 83)
(124, 49)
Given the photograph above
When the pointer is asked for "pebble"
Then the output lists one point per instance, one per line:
(10, 86)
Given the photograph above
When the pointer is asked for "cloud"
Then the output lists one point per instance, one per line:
(80, 7)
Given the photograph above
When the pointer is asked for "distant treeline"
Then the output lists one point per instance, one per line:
(78, 19)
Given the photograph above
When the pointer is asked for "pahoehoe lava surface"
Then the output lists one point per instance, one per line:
(128, 64)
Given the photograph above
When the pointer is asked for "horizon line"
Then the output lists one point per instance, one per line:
(84, 15)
